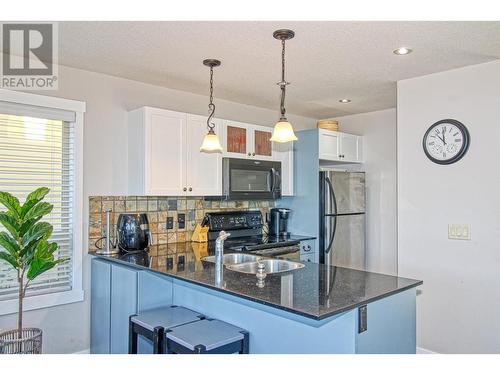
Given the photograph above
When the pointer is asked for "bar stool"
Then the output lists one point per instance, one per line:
(208, 336)
(153, 323)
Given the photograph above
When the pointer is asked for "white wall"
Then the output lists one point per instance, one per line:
(379, 148)
(66, 328)
(459, 306)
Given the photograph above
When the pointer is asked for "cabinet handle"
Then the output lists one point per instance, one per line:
(190, 189)
(253, 153)
(184, 189)
(249, 154)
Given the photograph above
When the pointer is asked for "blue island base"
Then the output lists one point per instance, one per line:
(119, 291)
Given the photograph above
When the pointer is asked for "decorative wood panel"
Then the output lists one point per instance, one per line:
(263, 145)
(236, 140)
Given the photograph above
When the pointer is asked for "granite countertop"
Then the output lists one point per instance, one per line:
(315, 291)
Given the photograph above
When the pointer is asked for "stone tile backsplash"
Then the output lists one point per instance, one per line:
(158, 209)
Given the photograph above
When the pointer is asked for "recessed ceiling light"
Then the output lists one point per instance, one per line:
(345, 100)
(402, 51)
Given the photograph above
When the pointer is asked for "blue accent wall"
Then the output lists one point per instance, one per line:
(305, 202)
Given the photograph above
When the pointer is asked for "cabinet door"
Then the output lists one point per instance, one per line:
(307, 251)
(235, 139)
(165, 152)
(308, 257)
(262, 147)
(204, 171)
(123, 304)
(284, 152)
(329, 145)
(349, 147)
(100, 307)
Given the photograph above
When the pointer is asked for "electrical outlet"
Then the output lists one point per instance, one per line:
(459, 231)
(181, 220)
(170, 222)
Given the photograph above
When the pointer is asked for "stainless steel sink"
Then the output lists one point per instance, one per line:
(270, 266)
(236, 258)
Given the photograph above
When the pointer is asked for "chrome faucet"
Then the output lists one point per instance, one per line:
(219, 256)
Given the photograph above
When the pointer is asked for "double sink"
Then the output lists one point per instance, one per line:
(248, 263)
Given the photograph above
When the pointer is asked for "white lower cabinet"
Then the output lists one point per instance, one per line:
(307, 251)
(165, 157)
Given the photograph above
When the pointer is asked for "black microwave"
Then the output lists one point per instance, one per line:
(251, 179)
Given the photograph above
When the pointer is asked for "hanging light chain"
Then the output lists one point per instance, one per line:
(283, 62)
(283, 83)
(211, 106)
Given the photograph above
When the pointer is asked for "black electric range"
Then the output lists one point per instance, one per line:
(247, 234)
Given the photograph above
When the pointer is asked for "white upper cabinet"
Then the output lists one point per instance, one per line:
(284, 153)
(248, 141)
(204, 171)
(340, 147)
(329, 145)
(240, 140)
(165, 158)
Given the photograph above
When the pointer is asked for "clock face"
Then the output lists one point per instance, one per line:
(446, 141)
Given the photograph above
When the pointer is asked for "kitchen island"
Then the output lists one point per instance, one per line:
(314, 309)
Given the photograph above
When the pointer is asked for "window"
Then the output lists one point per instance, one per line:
(41, 146)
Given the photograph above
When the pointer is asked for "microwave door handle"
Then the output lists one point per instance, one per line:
(272, 173)
(277, 181)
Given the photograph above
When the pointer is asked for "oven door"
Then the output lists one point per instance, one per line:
(251, 179)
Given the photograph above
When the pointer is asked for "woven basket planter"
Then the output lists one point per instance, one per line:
(30, 343)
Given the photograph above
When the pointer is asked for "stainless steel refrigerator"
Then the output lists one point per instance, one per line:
(342, 219)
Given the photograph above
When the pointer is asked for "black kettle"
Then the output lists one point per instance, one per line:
(133, 232)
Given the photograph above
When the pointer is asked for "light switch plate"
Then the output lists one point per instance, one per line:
(459, 231)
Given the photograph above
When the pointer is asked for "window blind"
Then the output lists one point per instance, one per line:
(36, 152)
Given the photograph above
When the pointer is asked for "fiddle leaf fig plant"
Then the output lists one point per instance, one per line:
(25, 243)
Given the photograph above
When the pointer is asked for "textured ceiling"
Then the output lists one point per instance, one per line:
(326, 61)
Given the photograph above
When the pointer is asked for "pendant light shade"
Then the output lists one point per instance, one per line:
(283, 130)
(211, 143)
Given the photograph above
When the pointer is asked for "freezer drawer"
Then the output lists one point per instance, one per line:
(344, 241)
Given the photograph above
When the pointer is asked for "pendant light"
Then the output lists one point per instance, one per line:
(283, 130)
(211, 143)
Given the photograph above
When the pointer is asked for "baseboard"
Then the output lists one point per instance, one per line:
(425, 351)
(85, 351)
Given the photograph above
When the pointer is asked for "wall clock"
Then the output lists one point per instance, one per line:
(446, 141)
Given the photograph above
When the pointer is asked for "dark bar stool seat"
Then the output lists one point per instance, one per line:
(208, 336)
(153, 323)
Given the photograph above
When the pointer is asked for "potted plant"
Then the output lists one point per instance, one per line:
(25, 246)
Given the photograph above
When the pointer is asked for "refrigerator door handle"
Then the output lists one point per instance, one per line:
(332, 228)
(333, 198)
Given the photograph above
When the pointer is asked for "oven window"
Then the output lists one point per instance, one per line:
(244, 180)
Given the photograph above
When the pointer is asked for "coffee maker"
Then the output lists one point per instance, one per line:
(278, 222)
(133, 232)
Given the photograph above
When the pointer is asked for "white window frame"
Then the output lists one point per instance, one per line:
(76, 294)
